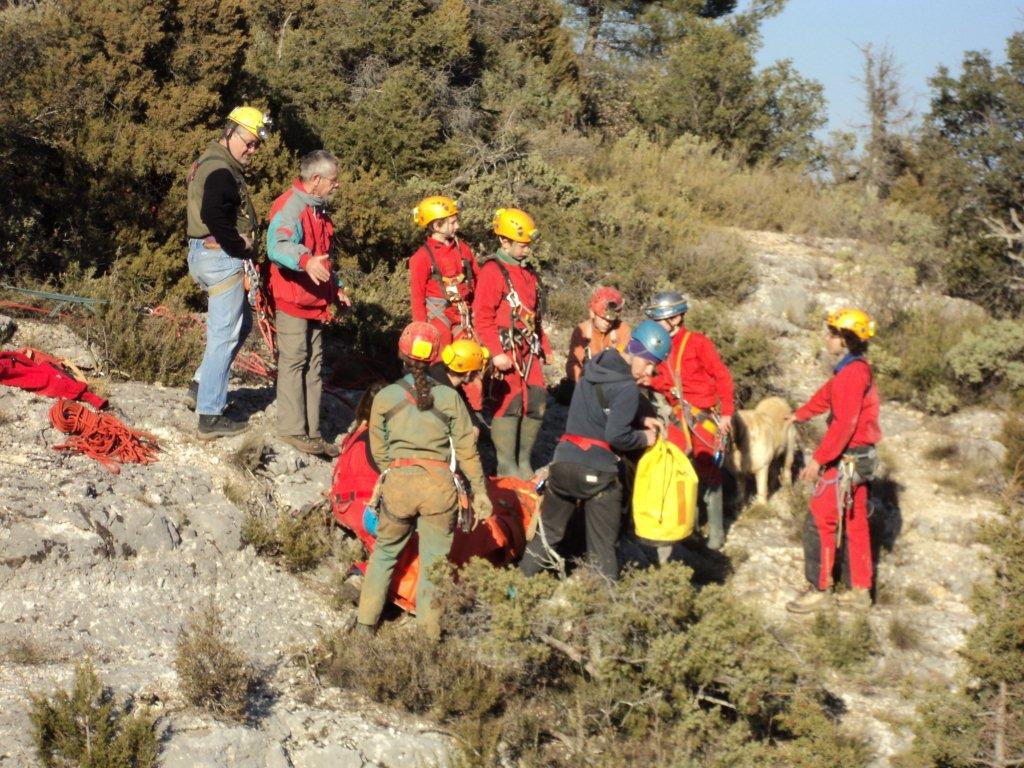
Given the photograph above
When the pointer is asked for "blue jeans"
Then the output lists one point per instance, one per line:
(228, 322)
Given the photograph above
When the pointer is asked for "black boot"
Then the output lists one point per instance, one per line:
(211, 427)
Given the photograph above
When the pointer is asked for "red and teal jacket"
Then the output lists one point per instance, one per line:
(299, 229)
(851, 399)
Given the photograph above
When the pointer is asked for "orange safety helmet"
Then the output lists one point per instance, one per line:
(434, 208)
(419, 341)
(465, 356)
(606, 302)
(515, 224)
(857, 321)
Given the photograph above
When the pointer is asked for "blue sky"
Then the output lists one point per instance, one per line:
(821, 37)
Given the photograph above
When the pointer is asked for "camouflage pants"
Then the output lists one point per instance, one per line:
(420, 499)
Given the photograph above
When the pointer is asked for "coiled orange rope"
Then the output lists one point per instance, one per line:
(101, 436)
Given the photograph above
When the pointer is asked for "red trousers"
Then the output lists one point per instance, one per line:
(506, 394)
(820, 534)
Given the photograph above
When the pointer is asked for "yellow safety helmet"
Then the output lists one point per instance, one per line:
(434, 208)
(857, 321)
(465, 356)
(252, 120)
(515, 224)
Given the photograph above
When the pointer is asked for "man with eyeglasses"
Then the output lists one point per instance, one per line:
(221, 232)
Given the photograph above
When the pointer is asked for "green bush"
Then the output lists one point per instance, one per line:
(86, 728)
(911, 358)
(840, 645)
(213, 673)
(583, 671)
(301, 541)
(990, 356)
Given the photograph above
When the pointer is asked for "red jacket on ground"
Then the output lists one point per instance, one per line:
(19, 370)
(706, 380)
(452, 259)
(851, 397)
(299, 229)
(490, 309)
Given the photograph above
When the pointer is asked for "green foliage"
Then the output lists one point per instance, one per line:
(644, 671)
(982, 721)
(978, 171)
(1012, 436)
(707, 86)
(990, 356)
(130, 341)
(843, 645)
(86, 728)
(911, 359)
(213, 673)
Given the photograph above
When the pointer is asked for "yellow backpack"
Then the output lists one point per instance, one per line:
(664, 495)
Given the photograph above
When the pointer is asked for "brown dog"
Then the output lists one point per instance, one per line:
(759, 437)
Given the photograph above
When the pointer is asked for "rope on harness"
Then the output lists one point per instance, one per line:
(102, 436)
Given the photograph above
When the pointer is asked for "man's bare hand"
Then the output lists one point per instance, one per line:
(248, 242)
(653, 422)
(343, 298)
(502, 362)
(809, 474)
(318, 269)
(725, 424)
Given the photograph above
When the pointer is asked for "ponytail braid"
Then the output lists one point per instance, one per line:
(423, 383)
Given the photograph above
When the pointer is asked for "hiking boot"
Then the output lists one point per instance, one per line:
(330, 450)
(854, 599)
(192, 396)
(212, 427)
(810, 601)
(315, 446)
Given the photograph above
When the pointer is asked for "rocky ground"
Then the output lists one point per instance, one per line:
(112, 566)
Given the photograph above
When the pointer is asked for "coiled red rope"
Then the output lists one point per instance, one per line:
(102, 436)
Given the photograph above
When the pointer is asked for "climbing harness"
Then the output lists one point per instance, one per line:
(690, 416)
(453, 296)
(521, 340)
(102, 436)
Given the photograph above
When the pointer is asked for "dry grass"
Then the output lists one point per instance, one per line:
(903, 635)
(249, 455)
(918, 595)
(27, 652)
(214, 674)
(944, 451)
(300, 541)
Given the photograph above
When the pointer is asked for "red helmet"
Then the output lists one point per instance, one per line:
(606, 302)
(420, 341)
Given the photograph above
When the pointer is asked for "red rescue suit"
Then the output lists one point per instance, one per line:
(694, 366)
(495, 319)
(851, 399)
(442, 279)
(19, 370)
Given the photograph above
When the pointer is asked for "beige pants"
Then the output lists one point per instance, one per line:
(299, 376)
(416, 499)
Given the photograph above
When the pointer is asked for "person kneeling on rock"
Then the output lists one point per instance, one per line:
(585, 469)
(841, 467)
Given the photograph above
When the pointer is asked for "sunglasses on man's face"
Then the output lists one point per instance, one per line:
(249, 145)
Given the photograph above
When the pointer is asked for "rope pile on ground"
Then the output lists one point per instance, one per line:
(102, 436)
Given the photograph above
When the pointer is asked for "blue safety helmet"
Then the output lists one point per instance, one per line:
(650, 341)
(666, 304)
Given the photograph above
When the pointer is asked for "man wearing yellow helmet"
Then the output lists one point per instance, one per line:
(221, 232)
(841, 466)
(506, 310)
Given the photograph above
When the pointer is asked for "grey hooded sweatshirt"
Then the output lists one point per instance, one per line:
(613, 425)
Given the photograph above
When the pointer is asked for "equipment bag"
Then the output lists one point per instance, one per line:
(664, 495)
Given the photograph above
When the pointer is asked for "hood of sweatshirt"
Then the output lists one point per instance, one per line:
(608, 366)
